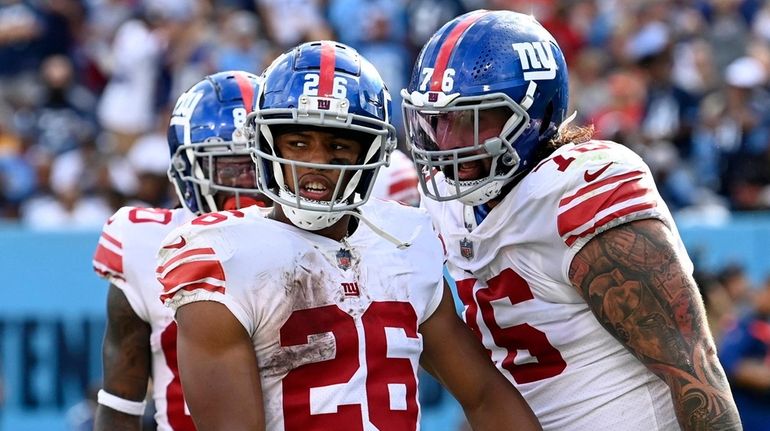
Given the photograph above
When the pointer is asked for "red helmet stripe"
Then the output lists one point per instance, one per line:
(247, 91)
(448, 47)
(326, 82)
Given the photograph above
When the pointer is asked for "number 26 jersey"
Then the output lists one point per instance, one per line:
(334, 325)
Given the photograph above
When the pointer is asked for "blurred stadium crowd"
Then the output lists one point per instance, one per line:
(85, 86)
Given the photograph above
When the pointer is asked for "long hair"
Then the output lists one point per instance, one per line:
(571, 134)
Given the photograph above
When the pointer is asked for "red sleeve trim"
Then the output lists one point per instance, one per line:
(615, 215)
(593, 186)
(582, 213)
(107, 262)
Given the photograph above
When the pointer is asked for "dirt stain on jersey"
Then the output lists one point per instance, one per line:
(320, 347)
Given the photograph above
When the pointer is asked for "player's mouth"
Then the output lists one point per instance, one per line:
(316, 187)
(469, 171)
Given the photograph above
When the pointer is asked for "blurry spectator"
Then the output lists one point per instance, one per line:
(694, 70)
(588, 90)
(17, 176)
(149, 159)
(424, 17)
(728, 30)
(620, 117)
(242, 46)
(748, 110)
(745, 355)
(63, 118)
(376, 28)
(69, 195)
(761, 24)
(187, 48)
(565, 30)
(736, 283)
(21, 29)
(104, 19)
(289, 22)
(126, 108)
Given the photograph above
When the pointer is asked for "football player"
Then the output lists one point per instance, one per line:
(211, 169)
(318, 316)
(568, 263)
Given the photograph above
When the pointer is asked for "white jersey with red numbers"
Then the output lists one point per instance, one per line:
(398, 181)
(126, 257)
(512, 276)
(334, 324)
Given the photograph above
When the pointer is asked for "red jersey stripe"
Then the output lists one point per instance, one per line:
(191, 287)
(247, 91)
(584, 212)
(614, 216)
(183, 255)
(193, 272)
(597, 185)
(402, 185)
(326, 80)
(108, 259)
(112, 240)
(593, 186)
(108, 274)
(445, 52)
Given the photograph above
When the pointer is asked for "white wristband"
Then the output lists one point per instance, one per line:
(135, 408)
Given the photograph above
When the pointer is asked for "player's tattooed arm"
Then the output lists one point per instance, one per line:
(126, 359)
(633, 280)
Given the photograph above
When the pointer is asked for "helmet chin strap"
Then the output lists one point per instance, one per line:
(482, 195)
(313, 220)
(309, 219)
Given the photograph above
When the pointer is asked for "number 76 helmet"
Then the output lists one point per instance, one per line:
(487, 87)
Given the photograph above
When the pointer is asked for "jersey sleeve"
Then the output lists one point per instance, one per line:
(398, 181)
(108, 261)
(433, 209)
(432, 254)
(610, 186)
(192, 264)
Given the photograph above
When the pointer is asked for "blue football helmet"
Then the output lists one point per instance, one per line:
(488, 87)
(206, 135)
(319, 85)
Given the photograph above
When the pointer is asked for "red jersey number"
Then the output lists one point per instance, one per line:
(509, 285)
(384, 373)
(176, 414)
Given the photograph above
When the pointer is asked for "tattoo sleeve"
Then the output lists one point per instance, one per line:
(633, 280)
(126, 358)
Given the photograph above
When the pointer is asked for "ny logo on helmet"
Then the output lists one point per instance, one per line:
(537, 60)
(186, 104)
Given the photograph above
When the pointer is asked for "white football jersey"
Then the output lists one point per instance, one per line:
(398, 181)
(334, 324)
(512, 276)
(126, 257)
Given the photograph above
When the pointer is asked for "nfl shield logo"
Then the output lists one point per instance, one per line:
(343, 259)
(466, 248)
(324, 104)
(432, 97)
